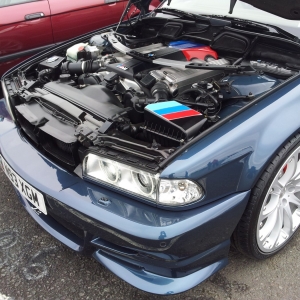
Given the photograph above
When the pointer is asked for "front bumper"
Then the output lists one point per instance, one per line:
(158, 251)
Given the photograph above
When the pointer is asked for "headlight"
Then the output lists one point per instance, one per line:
(6, 97)
(110, 170)
(121, 176)
(178, 192)
(144, 184)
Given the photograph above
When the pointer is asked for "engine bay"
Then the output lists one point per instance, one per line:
(144, 93)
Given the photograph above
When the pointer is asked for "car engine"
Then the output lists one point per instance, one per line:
(145, 98)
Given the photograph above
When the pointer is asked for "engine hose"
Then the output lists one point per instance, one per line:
(192, 90)
(198, 104)
(201, 92)
(43, 75)
(215, 101)
(211, 108)
(81, 67)
(160, 92)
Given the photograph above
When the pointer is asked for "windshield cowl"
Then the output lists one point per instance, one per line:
(243, 11)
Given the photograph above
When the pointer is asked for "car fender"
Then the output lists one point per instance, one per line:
(232, 157)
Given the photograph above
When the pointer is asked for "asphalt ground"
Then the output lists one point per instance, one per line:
(33, 265)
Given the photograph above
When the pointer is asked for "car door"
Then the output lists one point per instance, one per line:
(76, 17)
(25, 29)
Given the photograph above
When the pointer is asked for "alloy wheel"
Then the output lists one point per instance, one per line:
(279, 217)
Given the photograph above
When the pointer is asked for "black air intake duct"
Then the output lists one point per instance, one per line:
(81, 67)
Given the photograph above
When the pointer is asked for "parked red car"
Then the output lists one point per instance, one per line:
(29, 26)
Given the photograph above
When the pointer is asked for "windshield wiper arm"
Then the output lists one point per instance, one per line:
(254, 25)
(267, 26)
(259, 25)
(264, 26)
(286, 34)
(280, 31)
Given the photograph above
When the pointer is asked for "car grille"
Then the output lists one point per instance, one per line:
(65, 154)
(28, 128)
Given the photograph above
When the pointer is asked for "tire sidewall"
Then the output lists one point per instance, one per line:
(272, 170)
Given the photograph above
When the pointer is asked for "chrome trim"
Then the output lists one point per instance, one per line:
(6, 97)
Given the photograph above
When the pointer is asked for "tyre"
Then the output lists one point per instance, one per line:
(272, 215)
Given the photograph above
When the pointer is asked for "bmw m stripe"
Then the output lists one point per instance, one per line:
(172, 110)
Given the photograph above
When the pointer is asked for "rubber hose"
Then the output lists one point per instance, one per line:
(84, 67)
(44, 73)
(160, 92)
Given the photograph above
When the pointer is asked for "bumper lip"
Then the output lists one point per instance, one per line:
(137, 277)
(156, 284)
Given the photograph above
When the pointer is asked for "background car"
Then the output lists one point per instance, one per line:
(29, 26)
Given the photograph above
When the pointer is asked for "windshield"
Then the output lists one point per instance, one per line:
(241, 10)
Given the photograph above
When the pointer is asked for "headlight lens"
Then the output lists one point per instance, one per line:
(178, 192)
(121, 176)
(135, 181)
(110, 170)
(144, 182)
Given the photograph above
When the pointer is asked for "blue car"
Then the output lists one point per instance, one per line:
(157, 143)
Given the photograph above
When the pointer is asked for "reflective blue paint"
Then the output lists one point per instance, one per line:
(4, 111)
(237, 152)
(249, 84)
(56, 230)
(153, 283)
(74, 192)
(6, 123)
(128, 221)
(262, 129)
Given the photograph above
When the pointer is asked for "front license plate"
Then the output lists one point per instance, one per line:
(29, 192)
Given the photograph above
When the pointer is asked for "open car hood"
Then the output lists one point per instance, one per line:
(288, 9)
(142, 5)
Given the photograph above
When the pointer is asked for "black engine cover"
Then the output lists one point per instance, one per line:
(95, 98)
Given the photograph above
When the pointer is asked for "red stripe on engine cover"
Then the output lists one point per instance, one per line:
(199, 52)
(181, 114)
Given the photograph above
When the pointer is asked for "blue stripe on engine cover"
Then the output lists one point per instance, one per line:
(171, 110)
(161, 105)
